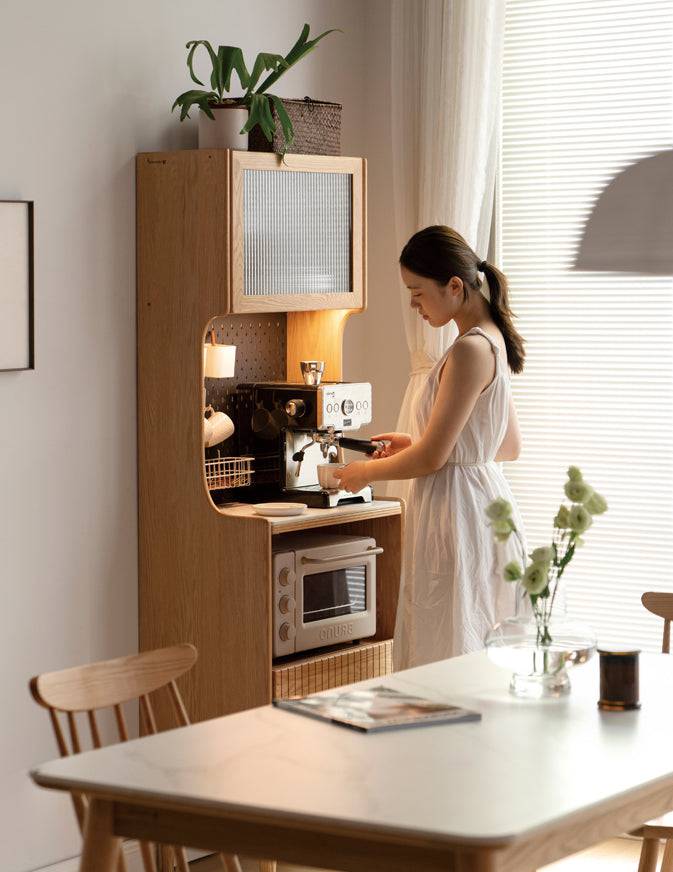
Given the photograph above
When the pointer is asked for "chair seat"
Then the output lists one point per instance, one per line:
(657, 828)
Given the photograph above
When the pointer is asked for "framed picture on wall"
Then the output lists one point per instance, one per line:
(16, 285)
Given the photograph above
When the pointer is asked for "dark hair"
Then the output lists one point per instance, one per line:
(440, 253)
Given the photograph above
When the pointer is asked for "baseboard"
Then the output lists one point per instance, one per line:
(134, 862)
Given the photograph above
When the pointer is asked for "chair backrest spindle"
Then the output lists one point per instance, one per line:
(148, 714)
(178, 705)
(121, 724)
(93, 727)
(74, 735)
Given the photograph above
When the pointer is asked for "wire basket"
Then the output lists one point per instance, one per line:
(228, 472)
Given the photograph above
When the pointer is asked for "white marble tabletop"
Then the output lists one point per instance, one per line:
(525, 766)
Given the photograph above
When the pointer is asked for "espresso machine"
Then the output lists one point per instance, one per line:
(291, 429)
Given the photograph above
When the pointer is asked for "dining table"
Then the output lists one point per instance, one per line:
(530, 782)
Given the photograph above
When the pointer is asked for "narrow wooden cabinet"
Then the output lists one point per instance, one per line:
(205, 573)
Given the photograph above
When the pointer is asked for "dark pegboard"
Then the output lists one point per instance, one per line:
(261, 352)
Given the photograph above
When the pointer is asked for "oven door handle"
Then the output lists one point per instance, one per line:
(342, 557)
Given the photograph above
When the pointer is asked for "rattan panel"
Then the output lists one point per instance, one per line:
(334, 669)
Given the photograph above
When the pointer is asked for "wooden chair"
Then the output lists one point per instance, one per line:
(106, 685)
(660, 604)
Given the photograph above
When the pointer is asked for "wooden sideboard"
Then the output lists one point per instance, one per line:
(204, 571)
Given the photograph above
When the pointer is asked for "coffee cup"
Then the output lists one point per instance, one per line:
(217, 428)
(326, 478)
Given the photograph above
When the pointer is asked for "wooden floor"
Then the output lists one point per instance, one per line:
(617, 855)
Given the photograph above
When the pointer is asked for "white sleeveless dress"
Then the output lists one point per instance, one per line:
(452, 587)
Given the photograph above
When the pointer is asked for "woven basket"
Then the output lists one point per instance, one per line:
(317, 129)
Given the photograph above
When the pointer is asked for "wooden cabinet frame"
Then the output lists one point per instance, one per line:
(204, 573)
(356, 168)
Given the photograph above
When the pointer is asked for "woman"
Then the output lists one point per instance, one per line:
(452, 590)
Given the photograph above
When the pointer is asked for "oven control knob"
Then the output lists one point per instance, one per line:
(347, 407)
(286, 576)
(286, 632)
(295, 408)
(286, 604)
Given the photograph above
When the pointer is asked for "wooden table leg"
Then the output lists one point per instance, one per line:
(649, 855)
(101, 847)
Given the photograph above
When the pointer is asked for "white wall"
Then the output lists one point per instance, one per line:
(87, 85)
(380, 329)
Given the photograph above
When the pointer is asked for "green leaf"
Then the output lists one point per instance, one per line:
(204, 106)
(230, 58)
(192, 45)
(265, 61)
(284, 118)
(194, 98)
(260, 113)
(301, 47)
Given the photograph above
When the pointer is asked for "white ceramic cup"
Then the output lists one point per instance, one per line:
(326, 477)
(217, 428)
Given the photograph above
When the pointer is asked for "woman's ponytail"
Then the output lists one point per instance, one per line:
(502, 315)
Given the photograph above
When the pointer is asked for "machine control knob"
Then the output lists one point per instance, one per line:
(286, 632)
(347, 407)
(286, 576)
(286, 604)
(295, 408)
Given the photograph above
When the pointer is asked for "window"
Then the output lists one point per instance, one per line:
(588, 89)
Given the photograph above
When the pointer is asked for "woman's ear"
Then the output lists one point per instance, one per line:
(455, 286)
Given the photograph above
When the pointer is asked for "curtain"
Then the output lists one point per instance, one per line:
(445, 99)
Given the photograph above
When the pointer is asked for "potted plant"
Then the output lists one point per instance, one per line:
(540, 642)
(225, 122)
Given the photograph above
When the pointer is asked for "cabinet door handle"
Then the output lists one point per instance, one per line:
(342, 557)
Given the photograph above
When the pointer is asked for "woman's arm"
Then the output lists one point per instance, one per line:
(467, 371)
(510, 447)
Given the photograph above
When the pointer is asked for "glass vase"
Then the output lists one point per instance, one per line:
(539, 652)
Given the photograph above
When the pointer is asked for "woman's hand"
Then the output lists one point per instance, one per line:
(396, 442)
(354, 476)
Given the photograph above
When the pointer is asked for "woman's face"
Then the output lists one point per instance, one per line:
(435, 303)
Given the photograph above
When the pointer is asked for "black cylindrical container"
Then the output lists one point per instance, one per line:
(619, 679)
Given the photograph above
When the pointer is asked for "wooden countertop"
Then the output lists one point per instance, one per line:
(312, 518)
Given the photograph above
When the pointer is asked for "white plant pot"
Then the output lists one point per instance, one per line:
(224, 131)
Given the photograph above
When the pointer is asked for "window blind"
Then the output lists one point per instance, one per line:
(587, 90)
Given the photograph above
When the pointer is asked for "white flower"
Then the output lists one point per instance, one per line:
(542, 555)
(577, 491)
(579, 519)
(535, 578)
(562, 518)
(596, 504)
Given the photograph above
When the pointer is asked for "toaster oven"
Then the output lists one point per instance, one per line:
(324, 591)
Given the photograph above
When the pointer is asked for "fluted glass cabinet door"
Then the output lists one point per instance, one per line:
(297, 232)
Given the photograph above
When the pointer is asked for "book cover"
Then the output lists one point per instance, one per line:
(376, 708)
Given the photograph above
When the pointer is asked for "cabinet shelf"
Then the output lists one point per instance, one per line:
(315, 518)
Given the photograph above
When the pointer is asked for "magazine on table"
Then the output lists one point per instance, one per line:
(376, 708)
